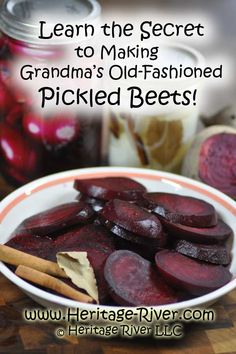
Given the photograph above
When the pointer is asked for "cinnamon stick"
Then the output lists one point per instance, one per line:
(49, 282)
(14, 257)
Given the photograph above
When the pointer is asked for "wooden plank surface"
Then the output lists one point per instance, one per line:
(17, 336)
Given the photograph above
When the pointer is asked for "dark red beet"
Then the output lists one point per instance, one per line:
(181, 209)
(126, 240)
(88, 234)
(54, 130)
(132, 218)
(58, 218)
(96, 204)
(155, 244)
(37, 246)
(110, 188)
(209, 253)
(146, 251)
(133, 281)
(194, 276)
(16, 151)
(208, 235)
(217, 161)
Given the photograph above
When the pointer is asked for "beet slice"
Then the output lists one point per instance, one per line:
(133, 281)
(208, 235)
(209, 253)
(110, 188)
(132, 218)
(181, 209)
(96, 204)
(34, 245)
(88, 234)
(58, 218)
(146, 248)
(217, 161)
(155, 244)
(194, 276)
(147, 252)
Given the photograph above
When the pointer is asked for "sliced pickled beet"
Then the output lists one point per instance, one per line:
(88, 234)
(96, 204)
(108, 188)
(194, 276)
(146, 251)
(58, 218)
(209, 253)
(35, 245)
(52, 130)
(217, 162)
(146, 248)
(17, 152)
(133, 281)
(132, 218)
(208, 235)
(181, 209)
(155, 243)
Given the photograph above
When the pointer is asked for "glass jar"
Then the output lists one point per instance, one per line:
(34, 144)
(157, 138)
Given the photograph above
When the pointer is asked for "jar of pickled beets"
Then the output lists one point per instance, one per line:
(35, 144)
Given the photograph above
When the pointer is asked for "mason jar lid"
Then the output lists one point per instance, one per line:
(19, 19)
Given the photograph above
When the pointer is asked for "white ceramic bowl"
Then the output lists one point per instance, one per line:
(56, 189)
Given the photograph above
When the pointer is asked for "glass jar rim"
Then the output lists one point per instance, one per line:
(20, 29)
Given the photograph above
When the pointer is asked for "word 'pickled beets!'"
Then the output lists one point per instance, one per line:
(137, 97)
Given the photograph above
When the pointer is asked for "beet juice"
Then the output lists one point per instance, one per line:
(32, 143)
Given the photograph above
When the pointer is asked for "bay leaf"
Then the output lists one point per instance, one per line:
(78, 268)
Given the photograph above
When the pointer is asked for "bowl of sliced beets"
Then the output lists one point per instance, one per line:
(152, 238)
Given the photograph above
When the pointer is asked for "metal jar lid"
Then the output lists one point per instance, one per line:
(19, 19)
